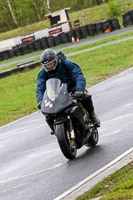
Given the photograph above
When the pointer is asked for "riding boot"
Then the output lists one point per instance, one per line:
(95, 120)
(88, 104)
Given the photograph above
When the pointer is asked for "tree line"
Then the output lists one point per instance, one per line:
(19, 13)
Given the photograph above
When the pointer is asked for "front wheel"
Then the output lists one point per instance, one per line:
(66, 143)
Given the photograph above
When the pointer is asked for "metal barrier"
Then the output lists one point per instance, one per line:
(21, 68)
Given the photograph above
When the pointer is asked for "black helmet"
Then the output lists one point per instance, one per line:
(49, 59)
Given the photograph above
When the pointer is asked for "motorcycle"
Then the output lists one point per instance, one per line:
(67, 118)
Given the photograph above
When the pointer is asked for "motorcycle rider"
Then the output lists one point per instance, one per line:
(56, 65)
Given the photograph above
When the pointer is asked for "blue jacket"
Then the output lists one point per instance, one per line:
(67, 71)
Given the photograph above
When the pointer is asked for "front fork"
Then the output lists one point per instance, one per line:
(70, 132)
(67, 125)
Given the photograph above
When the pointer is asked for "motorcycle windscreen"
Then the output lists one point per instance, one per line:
(53, 87)
(56, 97)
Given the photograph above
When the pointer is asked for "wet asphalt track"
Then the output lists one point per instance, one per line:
(32, 166)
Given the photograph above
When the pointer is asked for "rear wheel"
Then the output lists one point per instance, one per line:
(66, 143)
(93, 140)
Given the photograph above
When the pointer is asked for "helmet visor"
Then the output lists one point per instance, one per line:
(49, 65)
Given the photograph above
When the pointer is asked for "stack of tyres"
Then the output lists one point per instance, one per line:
(71, 34)
(14, 50)
(92, 29)
(77, 33)
(5, 54)
(127, 18)
(131, 13)
(31, 47)
(11, 52)
(18, 50)
(37, 45)
(25, 49)
(57, 40)
(64, 37)
(99, 27)
(1, 56)
(106, 25)
(84, 31)
(124, 19)
(51, 42)
(114, 24)
(44, 42)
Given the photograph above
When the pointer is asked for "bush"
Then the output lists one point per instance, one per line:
(113, 8)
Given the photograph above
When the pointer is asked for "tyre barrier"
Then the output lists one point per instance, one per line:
(37, 45)
(11, 53)
(127, 18)
(51, 42)
(44, 43)
(92, 29)
(84, 31)
(106, 25)
(80, 33)
(31, 47)
(5, 54)
(71, 34)
(64, 37)
(57, 40)
(115, 24)
(99, 28)
(20, 68)
(19, 51)
(77, 33)
(1, 56)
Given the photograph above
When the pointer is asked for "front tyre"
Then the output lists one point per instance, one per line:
(66, 143)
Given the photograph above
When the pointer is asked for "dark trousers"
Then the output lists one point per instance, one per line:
(88, 103)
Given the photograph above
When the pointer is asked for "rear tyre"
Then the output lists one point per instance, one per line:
(93, 140)
(66, 143)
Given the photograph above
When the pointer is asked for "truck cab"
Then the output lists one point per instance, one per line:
(59, 21)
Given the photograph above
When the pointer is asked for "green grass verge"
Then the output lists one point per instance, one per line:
(17, 96)
(17, 92)
(117, 186)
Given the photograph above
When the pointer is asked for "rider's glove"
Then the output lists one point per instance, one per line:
(39, 105)
(78, 94)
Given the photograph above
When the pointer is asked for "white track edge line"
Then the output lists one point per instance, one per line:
(94, 175)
